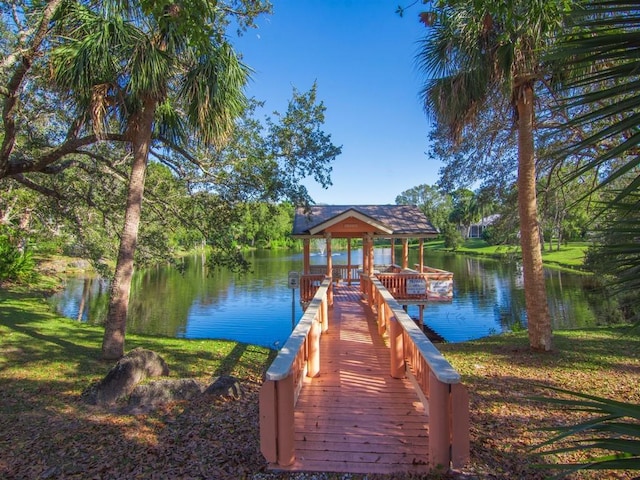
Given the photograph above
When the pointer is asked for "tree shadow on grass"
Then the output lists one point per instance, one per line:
(46, 431)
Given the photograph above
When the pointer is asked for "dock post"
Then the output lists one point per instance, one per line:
(439, 418)
(460, 443)
(313, 363)
(268, 422)
(396, 349)
(325, 315)
(285, 441)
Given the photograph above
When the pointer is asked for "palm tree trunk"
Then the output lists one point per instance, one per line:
(140, 128)
(538, 319)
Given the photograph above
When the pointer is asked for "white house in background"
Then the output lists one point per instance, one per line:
(476, 229)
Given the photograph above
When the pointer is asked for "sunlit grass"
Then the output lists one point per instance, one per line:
(570, 255)
(54, 354)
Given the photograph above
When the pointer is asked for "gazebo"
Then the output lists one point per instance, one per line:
(371, 222)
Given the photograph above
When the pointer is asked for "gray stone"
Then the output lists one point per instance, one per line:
(161, 392)
(130, 370)
(225, 386)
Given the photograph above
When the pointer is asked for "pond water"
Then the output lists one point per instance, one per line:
(259, 308)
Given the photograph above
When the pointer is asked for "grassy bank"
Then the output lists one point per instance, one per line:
(46, 431)
(570, 256)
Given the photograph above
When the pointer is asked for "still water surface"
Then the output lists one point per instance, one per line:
(257, 307)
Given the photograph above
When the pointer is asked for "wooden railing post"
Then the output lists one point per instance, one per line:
(286, 402)
(439, 420)
(324, 307)
(396, 349)
(382, 315)
(313, 362)
(460, 444)
(268, 421)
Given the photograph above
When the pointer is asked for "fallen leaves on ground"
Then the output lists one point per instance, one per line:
(47, 432)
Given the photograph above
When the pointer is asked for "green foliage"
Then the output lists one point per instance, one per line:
(15, 265)
(433, 202)
(265, 225)
(616, 257)
(452, 236)
(602, 54)
(492, 235)
(613, 431)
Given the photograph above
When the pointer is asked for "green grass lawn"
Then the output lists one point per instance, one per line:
(569, 256)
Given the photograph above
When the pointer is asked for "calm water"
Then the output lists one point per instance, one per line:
(257, 307)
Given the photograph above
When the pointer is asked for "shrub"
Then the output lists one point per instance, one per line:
(452, 237)
(15, 265)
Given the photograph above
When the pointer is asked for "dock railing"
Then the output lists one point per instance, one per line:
(309, 285)
(412, 354)
(439, 282)
(299, 356)
(408, 284)
(341, 272)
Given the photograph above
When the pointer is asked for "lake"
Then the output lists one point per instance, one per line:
(259, 308)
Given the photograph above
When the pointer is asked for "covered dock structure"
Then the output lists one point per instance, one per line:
(358, 387)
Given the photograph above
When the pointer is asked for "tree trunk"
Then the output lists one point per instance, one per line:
(538, 319)
(139, 133)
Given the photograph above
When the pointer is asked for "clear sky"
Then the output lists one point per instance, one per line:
(362, 55)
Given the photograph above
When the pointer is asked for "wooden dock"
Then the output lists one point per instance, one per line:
(354, 417)
(335, 398)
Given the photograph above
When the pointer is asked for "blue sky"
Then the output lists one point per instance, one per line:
(362, 55)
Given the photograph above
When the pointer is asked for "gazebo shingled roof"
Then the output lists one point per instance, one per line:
(389, 220)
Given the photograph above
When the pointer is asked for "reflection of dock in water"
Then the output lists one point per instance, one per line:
(431, 334)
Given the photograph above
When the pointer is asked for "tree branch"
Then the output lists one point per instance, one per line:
(43, 164)
(36, 187)
(16, 80)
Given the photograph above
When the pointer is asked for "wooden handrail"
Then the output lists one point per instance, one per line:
(309, 285)
(299, 356)
(438, 284)
(413, 354)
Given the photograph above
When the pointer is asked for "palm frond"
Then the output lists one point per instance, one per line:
(615, 431)
(213, 91)
(603, 52)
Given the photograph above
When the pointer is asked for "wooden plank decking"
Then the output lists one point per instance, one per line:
(354, 417)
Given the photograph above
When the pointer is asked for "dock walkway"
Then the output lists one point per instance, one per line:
(354, 417)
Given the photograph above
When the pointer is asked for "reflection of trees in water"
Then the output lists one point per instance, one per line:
(498, 284)
(84, 300)
(163, 297)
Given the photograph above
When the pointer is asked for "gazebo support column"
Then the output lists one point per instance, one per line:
(329, 268)
(306, 256)
(349, 261)
(393, 251)
(329, 260)
(370, 252)
(365, 255)
(421, 255)
(405, 253)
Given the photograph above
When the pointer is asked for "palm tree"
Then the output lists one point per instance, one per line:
(142, 68)
(474, 52)
(604, 53)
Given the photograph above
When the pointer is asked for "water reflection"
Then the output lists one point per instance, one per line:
(194, 302)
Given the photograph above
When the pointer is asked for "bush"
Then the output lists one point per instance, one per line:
(15, 265)
(452, 237)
